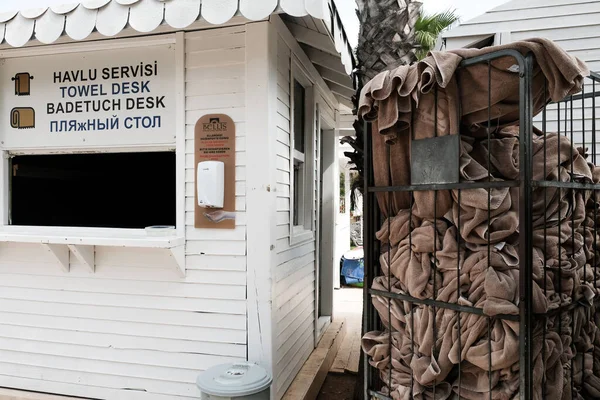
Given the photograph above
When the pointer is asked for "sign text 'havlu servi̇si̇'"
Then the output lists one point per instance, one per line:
(111, 89)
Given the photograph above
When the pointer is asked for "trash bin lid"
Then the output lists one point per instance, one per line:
(237, 379)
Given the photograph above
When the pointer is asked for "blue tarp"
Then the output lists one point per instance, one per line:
(353, 271)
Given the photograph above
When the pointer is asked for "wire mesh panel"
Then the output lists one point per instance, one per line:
(482, 269)
(565, 236)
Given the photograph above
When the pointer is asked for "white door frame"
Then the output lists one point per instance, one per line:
(327, 194)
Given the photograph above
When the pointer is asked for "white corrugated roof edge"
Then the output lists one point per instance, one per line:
(109, 17)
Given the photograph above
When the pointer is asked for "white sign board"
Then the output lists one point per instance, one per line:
(107, 98)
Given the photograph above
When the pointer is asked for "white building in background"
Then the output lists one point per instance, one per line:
(99, 109)
(573, 24)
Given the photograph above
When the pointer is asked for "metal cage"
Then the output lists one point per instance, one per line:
(550, 264)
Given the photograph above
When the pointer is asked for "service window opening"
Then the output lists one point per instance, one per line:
(104, 190)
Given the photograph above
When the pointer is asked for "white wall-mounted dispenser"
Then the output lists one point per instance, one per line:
(210, 181)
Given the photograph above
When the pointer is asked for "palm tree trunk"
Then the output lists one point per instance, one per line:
(387, 35)
(386, 41)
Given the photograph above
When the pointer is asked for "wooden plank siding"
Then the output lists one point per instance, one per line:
(295, 272)
(134, 329)
(294, 292)
(216, 83)
(529, 18)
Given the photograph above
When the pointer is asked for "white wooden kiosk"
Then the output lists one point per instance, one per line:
(98, 106)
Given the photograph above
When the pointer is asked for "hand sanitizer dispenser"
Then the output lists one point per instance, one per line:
(210, 181)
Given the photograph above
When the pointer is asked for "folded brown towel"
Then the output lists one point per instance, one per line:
(402, 101)
(436, 246)
(386, 97)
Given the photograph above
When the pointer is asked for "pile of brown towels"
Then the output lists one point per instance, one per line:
(450, 246)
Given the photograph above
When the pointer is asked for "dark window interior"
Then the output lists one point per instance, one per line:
(112, 190)
(296, 194)
(299, 117)
(488, 41)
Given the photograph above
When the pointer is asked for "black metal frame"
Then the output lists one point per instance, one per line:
(525, 183)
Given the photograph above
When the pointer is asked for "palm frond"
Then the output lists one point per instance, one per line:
(443, 20)
(425, 39)
(429, 27)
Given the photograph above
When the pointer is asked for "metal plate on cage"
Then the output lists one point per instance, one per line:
(435, 160)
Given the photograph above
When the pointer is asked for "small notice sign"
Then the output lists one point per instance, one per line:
(214, 140)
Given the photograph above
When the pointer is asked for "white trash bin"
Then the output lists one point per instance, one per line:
(243, 381)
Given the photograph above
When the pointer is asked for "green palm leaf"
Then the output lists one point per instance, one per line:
(429, 27)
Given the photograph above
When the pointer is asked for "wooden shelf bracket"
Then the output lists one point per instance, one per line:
(178, 255)
(60, 252)
(85, 254)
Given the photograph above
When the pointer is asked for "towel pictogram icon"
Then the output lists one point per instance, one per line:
(22, 118)
(22, 83)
